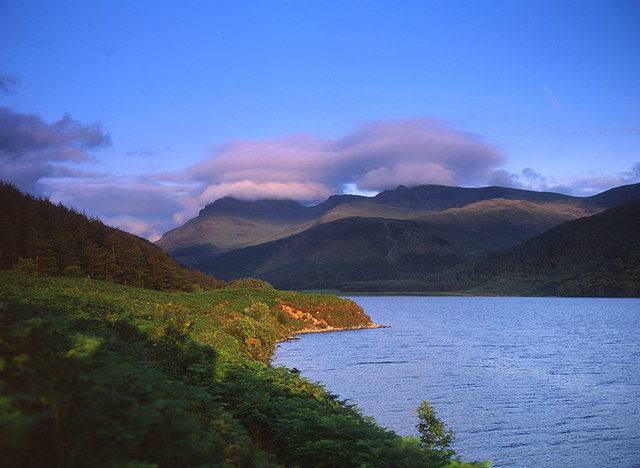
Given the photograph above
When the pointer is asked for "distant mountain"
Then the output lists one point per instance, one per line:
(228, 224)
(39, 237)
(389, 242)
(332, 255)
(592, 256)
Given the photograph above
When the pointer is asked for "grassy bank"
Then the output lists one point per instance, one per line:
(97, 374)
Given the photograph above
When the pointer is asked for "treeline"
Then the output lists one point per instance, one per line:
(40, 237)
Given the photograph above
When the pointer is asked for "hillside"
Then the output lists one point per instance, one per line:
(229, 224)
(95, 373)
(99, 374)
(592, 256)
(406, 233)
(347, 251)
(39, 237)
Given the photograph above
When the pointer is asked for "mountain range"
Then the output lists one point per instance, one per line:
(398, 240)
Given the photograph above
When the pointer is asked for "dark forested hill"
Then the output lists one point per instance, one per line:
(592, 256)
(37, 236)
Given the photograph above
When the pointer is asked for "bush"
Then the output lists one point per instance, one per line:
(73, 271)
(435, 436)
(27, 266)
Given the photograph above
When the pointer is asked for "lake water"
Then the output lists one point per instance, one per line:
(522, 381)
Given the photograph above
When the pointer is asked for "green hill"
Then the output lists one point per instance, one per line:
(40, 237)
(592, 256)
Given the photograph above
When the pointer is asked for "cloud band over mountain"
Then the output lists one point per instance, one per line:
(51, 159)
(374, 157)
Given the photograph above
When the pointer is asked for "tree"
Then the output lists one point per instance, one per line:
(435, 436)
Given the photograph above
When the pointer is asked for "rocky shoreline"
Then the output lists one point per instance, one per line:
(328, 329)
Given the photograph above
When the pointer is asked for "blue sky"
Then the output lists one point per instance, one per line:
(142, 112)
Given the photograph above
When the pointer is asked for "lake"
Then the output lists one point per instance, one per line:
(521, 381)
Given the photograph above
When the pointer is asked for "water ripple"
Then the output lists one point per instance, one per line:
(522, 381)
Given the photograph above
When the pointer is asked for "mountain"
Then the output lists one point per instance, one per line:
(39, 237)
(388, 242)
(228, 224)
(592, 256)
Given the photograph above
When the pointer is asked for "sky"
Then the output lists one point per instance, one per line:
(142, 112)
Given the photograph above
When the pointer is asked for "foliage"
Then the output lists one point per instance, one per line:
(39, 237)
(435, 436)
(255, 328)
(94, 373)
(249, 283)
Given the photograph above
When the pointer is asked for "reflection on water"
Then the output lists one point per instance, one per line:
(522, 381)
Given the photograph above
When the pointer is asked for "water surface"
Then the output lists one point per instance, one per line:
(522, 381)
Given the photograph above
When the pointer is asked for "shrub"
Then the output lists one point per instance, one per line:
(435, 436)
(73, 271)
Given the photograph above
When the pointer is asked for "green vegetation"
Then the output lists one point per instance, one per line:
(435, 436)
(96, 373)
(38, 237)
(100, 374)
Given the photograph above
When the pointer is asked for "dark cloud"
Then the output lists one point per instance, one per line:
(504, 178)
(9, 83)
(530, 179)
(31, 149)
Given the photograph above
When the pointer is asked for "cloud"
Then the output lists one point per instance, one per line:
(128, 223)
(31, 149)
(250, 190)
(531, 179)
(504, 178)
(9, 83)
(407, 174)
(41, 157)
(553, 99)
(375, 156)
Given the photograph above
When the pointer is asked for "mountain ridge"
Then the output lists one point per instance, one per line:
(229, 223)
(405, 233)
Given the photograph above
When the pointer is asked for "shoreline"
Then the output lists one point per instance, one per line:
(305, 331)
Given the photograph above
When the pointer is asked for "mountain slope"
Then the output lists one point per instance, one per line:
(378, 253)
(592, 256)
(229, 224)
(42, 238)
(388, 242)
(339, 253)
